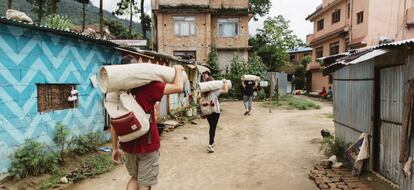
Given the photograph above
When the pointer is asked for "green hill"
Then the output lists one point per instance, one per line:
(70, 8)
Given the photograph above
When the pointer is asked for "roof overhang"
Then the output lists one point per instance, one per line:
(350, 59)
(328, 36)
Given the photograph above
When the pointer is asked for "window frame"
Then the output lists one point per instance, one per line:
(317, 50)
(332, 45)
(320, 24)
(228, 21)
(336, 16)
(360, 17)
(181, 20)
(47, 103)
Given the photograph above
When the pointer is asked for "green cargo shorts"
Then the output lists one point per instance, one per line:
(145, 167)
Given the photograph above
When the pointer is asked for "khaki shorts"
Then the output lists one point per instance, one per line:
(145, 167)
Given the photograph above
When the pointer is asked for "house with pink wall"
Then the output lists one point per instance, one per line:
(342, 25)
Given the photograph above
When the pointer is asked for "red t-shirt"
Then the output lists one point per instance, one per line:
(146, 97)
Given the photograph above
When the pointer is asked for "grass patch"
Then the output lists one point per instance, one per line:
(290, 103)
(329, 115)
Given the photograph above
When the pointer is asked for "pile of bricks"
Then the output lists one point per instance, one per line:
(333, 179)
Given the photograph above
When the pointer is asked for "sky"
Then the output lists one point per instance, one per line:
(294, 10)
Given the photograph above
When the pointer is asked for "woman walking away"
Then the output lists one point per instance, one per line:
(213, 104)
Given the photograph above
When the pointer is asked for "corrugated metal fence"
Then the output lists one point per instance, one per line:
(353, 97)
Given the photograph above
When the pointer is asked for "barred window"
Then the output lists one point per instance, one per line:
(52, 97)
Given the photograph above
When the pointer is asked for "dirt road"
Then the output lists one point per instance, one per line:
(268, 151)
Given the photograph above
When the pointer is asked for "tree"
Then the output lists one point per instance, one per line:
(54, 6)
(146, 24)
(127, 7)
(118, 29)
(273, 42)
(9, 4)
(101, 21)
(84, 3)
(212, 61)
(41, 8)
(259, 8)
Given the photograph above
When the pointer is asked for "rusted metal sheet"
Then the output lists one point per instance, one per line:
(353, 99)
(392, 84)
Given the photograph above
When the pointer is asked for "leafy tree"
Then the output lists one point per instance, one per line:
(84, 3)
(41, 8)
(273, 42)
(259, 8)
(127, 7)
(239, 67)
(212, 61)
(146, 24)
(119, 30)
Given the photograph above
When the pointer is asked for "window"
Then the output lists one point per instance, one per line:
(184, 25)
(336, 16)
(320, 24)
(349, 10)
(334, 48)
(185, 54)
(292, 57)
(228, 27)
(52, 97)
(360, 17)
(319, 52)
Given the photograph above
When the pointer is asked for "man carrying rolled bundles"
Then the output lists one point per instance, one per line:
(249, 83)
(142, 154)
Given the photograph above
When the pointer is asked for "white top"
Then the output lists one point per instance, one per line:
(214, 97)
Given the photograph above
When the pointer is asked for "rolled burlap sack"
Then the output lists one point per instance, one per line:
(213, 85)
(124, 77)
(250, 77)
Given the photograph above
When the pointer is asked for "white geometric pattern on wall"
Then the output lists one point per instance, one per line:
(29, 57)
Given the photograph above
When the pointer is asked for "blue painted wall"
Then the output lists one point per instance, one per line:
(28, 57)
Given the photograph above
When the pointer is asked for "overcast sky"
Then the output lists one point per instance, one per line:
(294, 10)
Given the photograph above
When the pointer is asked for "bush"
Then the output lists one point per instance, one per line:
(33, 159)
(83, 144)
(61, 139)
(334, 146)
(58, 21)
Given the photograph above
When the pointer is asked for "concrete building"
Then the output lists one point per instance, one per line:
(341, 25)
(188, 29)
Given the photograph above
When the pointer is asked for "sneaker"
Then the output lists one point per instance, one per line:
(213, 145)
(210, 149)
(247, 112)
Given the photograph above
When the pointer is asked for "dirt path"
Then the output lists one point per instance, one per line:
(262, 151)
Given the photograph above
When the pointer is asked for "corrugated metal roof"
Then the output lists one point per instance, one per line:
(396, 44)
(58, 31)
